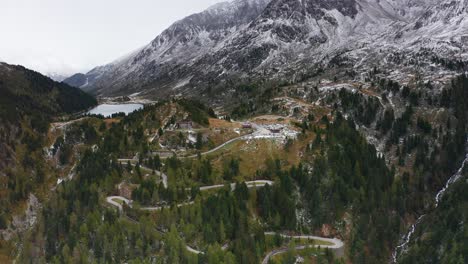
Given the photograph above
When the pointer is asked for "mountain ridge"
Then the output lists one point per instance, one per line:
(281, 38)
(198, 31)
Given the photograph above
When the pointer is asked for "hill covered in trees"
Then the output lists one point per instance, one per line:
(355, 162)
(29, 101)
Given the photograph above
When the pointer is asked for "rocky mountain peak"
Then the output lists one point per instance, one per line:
(274, 39)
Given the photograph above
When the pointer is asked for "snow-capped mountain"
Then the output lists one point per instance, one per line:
(281, 39)
(57, 76)
(183, 43)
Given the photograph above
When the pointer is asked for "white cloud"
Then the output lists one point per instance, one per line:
(46, 64)
(67, 36)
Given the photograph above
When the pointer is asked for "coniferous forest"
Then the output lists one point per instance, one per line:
(253, 131)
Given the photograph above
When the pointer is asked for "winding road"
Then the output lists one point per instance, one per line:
(337, 245)
(112, 200)
(260, 133)
(133, 162)
(218, 147)
(250, 184)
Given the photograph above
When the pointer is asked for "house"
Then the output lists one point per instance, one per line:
(184, 124)
(246, 125)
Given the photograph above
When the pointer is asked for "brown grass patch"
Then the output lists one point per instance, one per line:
(5, 258)
(272, 119)
(254, 153)
(111, 121)
(218, 123)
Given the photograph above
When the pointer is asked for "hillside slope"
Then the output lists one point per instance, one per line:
(28, 103)
(30, 92)
(182, 44)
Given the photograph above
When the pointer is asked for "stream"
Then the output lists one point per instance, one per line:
(403, 247)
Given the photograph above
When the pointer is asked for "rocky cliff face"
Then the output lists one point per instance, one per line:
(281, 39)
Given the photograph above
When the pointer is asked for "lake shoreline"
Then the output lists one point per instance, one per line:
(107, 109)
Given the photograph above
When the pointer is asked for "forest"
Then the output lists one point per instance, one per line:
(341, 186)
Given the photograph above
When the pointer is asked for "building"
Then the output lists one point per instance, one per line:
(275, 130)
(246, 125)
(184, 124)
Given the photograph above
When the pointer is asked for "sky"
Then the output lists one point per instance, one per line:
(69, 36)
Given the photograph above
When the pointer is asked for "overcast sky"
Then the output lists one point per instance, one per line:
(68, 36)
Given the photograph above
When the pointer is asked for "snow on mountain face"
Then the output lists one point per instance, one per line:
(56, 77)
(181, 44)
(291, 34)
(259, 38)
